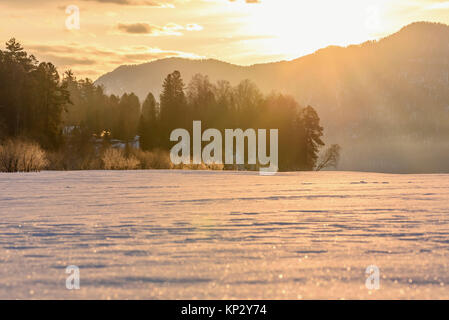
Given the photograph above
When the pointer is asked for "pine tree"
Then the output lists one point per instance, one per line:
(173, 106)
(32, 97)
(129, 114)
(148, 124)
(311, 134)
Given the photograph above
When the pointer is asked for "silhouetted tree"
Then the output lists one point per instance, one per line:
(173, 106)
(129, 114)
(310, 137)
(32, 97)
(148, 124)
(201, 100)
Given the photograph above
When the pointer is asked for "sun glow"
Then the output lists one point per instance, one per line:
(296, 27)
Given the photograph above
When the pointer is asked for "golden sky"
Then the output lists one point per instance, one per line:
(116, 32)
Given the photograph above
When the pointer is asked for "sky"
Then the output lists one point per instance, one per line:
(110, 33)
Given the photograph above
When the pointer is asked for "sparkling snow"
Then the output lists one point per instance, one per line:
(213, 235)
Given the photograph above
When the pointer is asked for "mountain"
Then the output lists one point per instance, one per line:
(385, 102)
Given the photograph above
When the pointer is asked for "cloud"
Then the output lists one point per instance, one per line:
(148, 3)
(193, 27)
(93, 61)
(142, 28)
(69, 61)
(249, 1)
(438, 5)
(138, 28)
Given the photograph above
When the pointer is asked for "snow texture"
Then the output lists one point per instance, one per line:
(223, 235)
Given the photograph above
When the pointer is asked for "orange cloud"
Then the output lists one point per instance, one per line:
(142, 28)
(149, 3)
(95, 61)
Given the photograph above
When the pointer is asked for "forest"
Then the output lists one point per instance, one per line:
(64, 123)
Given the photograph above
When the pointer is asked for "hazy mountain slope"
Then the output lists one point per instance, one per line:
(148, 77)
(386, 102)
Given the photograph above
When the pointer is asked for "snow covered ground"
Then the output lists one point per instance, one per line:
(214, 235)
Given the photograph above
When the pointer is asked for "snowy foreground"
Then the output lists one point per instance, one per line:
(214, 235)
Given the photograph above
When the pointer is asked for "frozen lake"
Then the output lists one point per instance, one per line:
(213, 235)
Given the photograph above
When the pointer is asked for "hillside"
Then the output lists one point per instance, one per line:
(385, 102)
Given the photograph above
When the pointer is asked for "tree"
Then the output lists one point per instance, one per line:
(72, 116)
(148, 129)
(129, 114)
(310, 136)
(32, 97)
(279, 111)
(173, 106)
(15, 80)
(330, 158)
(247, 99)
(201, 100)
(50, 98)
(33, 101)
(149, 108)
(223, 93)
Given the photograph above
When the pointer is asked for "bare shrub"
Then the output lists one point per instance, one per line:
(21, 156)
(157, 159)
(160, 159)
(114, 159)
(56, 161)
(192, 166)
(66, 159)
(202, 166)
(215, 166)
(329, 158)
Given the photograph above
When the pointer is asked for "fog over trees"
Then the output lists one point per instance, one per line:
(385, 102)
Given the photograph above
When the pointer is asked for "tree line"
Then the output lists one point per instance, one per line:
(37, 104)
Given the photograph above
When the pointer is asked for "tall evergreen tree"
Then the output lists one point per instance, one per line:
(148, 129)
(129, 114)
(32, 97)
(310, 135)
(173, 106)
